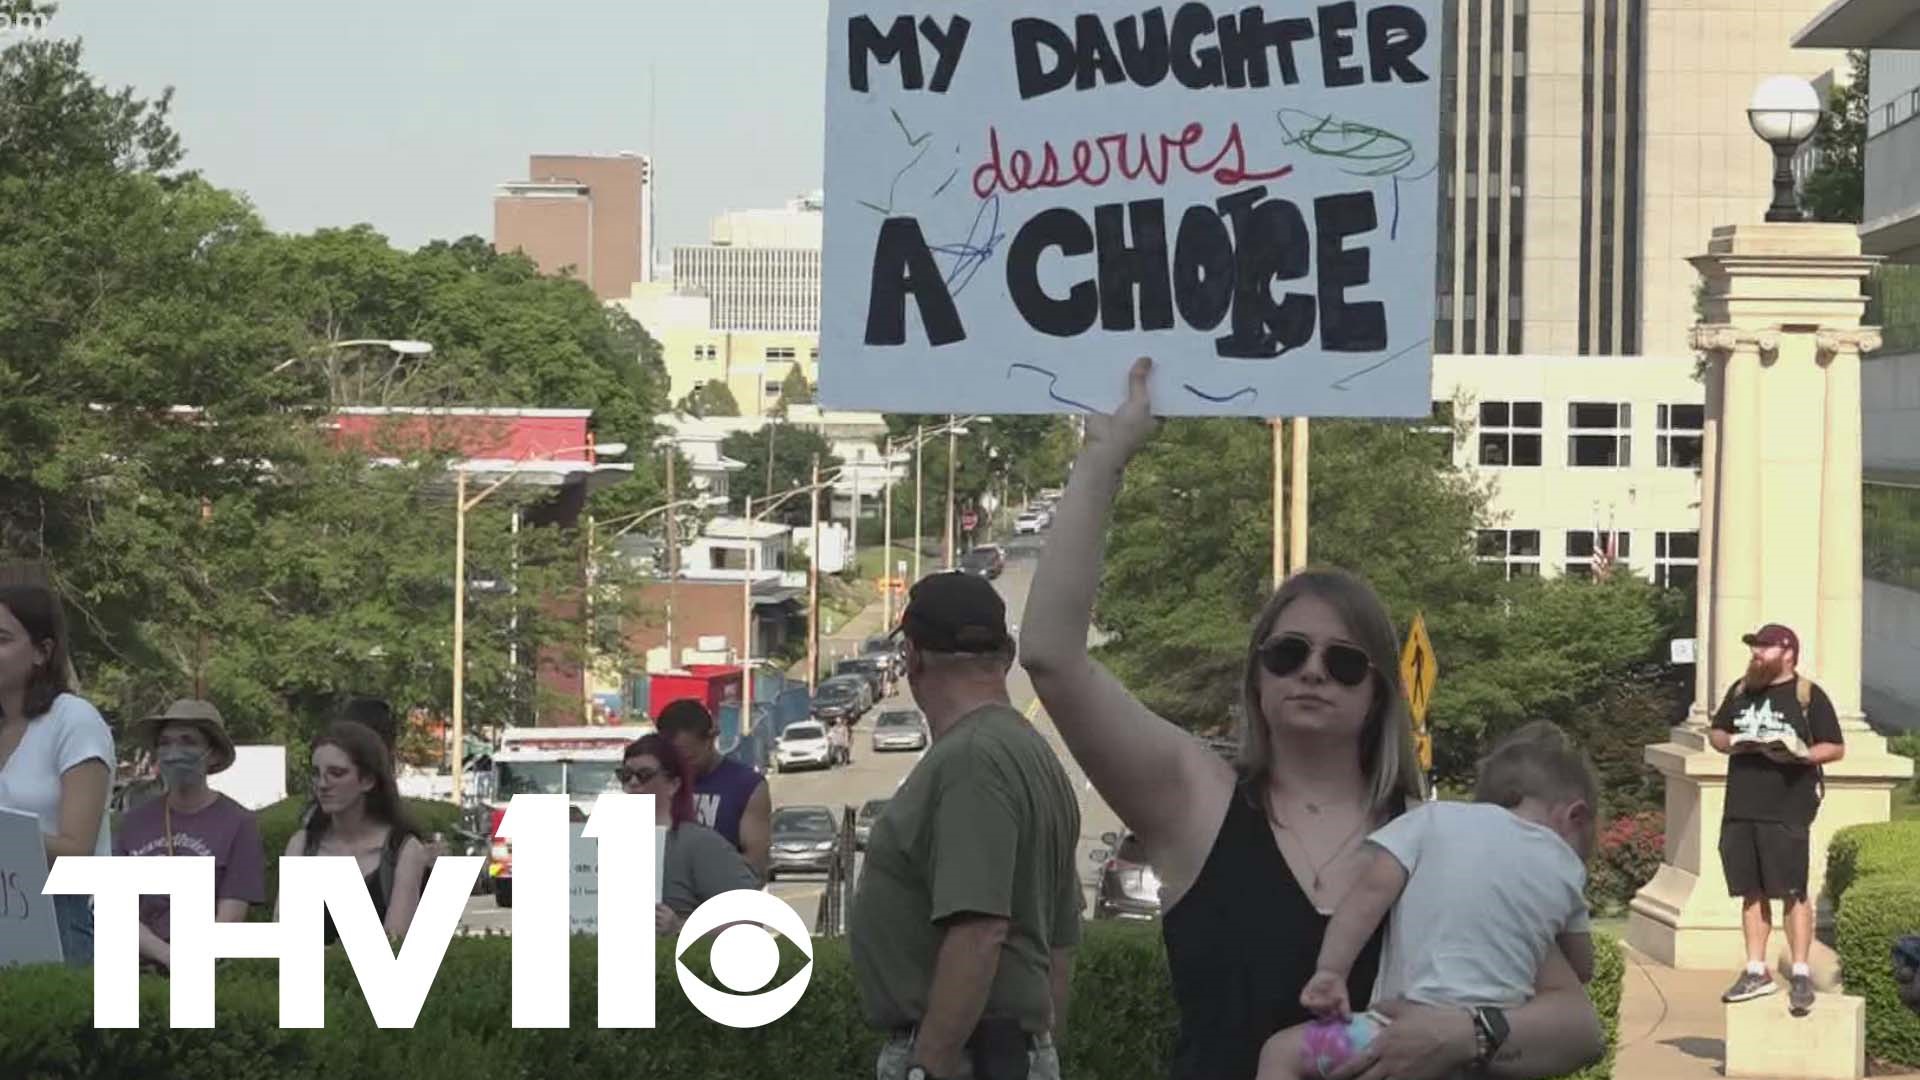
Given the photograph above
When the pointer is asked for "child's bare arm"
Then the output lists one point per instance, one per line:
(1579, 952)
(1361, 910)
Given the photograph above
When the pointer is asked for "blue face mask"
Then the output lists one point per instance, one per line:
(181, 767)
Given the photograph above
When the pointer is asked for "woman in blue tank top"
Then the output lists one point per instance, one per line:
(1255, 854)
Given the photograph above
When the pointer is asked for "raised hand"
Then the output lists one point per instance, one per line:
(1127, 428)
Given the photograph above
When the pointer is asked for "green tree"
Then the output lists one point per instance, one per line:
(778, 458)
(1836, 189)
(710, 399)
(794, 390)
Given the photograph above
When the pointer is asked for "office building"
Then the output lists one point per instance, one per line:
(581, 214)
(1588, 147)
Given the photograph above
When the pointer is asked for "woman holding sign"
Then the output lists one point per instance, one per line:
(1255, 855)
(56, 753)
(700, 863)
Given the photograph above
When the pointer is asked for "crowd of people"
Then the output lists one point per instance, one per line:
(1323, 915)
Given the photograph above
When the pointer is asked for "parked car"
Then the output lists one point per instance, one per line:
(886, 648)
(804, 840)
(984, 562)
(876, 670)
(863, 821)
(900, 729)
(802, 745)
(1027, 524)
(1129, 888)
(843, 697)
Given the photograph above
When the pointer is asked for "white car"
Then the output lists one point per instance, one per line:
(802, 744)
(1027, 524)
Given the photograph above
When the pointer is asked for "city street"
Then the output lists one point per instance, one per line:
(876, 775)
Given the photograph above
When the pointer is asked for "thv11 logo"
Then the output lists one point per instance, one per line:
(744, 955)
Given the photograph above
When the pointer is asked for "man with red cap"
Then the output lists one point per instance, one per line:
(1779, 728)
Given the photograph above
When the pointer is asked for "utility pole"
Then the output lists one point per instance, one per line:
(813, 584)
(746, 626)
(673, 559)
(919, 444)
(1279, 500)
(951, 444)
(886, 548)
(1299, 541)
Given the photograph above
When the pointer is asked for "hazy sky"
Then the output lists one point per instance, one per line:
(405, 114)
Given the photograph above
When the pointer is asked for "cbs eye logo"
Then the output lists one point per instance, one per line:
(744, 956)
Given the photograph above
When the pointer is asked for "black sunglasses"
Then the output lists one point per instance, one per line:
(1286, 655)
(636, 776)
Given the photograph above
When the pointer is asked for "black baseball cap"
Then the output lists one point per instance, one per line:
(955, 612)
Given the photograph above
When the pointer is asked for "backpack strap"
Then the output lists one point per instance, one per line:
(1803, 691)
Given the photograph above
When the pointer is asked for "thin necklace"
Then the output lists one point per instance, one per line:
(1328, 861)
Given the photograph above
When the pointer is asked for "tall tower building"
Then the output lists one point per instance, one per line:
(593, 214)
(1587, 149)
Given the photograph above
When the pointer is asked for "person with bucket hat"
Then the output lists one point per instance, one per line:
(189, 743)
(1778, 728)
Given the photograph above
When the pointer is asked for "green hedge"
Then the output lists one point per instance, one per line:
(1873, 878)
(1120, 1024)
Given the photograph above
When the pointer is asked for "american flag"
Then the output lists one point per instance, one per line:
(1606, 549)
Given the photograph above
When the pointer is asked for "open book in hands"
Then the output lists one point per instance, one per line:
(1777, 743)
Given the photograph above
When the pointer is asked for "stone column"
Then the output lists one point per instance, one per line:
(1780, 542)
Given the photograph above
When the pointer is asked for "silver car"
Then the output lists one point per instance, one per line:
(900, 729)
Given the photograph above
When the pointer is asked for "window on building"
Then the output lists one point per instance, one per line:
(773, 388)
(1599, 435)
(1510, 434)
(1440, 426)
(783, 352)
(814, 353)
(1516, 550)
(726, 558)
(1679, 439)
(1585, 547)
(706, 352)
(1676, 559)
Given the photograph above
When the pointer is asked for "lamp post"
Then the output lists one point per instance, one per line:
(772, 503)
(1784, 112)
(461, 505)
(402, 346)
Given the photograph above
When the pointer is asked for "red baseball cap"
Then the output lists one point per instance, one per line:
(1774, 634)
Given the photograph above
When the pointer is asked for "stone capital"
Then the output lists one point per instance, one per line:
(1723, 339)
(1832, 343)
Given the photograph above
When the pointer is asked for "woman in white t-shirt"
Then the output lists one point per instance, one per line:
(56, 753)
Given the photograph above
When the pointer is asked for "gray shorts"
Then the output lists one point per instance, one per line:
(1043, 1061)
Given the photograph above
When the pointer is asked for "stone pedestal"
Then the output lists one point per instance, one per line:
(1780, 542)
(1829, 1043)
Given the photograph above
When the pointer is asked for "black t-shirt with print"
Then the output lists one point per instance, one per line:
(1759, 788)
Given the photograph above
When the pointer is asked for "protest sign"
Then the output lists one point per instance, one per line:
(28, 932)
(583, 877)
(1021, 199)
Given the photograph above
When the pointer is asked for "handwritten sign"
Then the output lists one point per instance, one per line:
(28, 932)
(1022, 198)
(583, 865)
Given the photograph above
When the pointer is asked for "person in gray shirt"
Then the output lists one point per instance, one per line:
(700, 863)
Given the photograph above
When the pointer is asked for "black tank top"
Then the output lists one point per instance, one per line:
(1241, 944)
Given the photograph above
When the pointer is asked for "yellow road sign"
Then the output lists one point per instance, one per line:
(1418, 670)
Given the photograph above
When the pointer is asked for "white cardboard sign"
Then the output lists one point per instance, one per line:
(28, 932)
(583, 866)
(1021, 198)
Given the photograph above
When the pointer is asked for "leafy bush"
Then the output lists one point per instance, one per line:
(1120, 1024)
(1629, 854)
(1873, 877)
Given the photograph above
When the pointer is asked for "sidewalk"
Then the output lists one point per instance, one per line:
(1673, 1025)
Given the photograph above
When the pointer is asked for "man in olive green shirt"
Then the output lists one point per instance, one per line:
(968, 905)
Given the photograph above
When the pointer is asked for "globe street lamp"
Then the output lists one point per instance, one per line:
(1784, 112)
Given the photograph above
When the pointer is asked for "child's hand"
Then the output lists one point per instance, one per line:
(1326, 995)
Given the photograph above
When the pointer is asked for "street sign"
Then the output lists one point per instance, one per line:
(1418, 670)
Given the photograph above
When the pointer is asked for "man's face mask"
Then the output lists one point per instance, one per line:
(181, 766)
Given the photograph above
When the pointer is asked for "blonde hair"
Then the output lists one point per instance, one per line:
(1387, 757)
(1536, 761)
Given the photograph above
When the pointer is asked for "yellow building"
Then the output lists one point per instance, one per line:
(752, 364)
(1580, 448)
